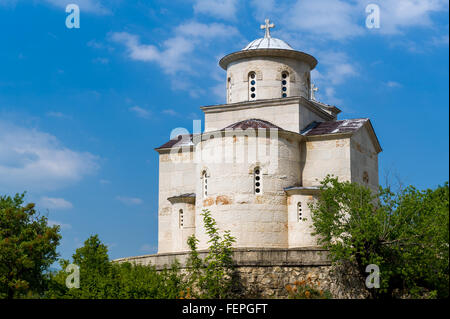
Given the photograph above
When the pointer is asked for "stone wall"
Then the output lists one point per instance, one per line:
(264, 273)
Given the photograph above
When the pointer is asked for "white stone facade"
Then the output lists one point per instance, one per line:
(286, 144)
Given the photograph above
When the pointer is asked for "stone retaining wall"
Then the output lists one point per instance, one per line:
(264, 273)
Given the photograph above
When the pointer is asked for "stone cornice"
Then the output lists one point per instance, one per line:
(293, 54)
(184, 198)
(267, 103)
(302, 190)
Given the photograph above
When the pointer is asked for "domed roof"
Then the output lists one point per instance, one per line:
(267, 46)
(252, 123)
(267, 43)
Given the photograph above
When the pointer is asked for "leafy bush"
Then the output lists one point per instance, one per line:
(406, 234)
(213, 276)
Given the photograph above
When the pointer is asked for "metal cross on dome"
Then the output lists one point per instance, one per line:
(267, 26)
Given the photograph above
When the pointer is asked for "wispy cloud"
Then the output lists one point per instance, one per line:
(55, 203)
(129, 200)
(175, 53)
(62, 225)
(99, 7)
(333, 19)
(393, 84)
(140, 112)
(341, 20)
(222, 9)
(170, 112)
(34, 160)
(90, 6)
(398, 15)
(335, 69)
(57, 115)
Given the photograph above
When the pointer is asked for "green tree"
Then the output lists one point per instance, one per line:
(102, 279)
(27, 248)
(213, 276)
(405, 234)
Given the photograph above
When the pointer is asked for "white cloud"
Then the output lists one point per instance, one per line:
(140, 112)
(335, 69)
(186, 53)
(335, 19)
(130, 200)
(170, 58)
(393, 84)
(35, 160)
(198, 30)
(170, 112)
(90, 6)
(8, 2)
(263, 9)
(222, 9)
(55, 203)
(57, 114)
(440, 40)
(176, 53)
(338, 67)
(62, 225)
(339, 20)
(396, 15)
(330, 96)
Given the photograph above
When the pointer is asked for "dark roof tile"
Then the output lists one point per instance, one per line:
(181, 140)
(333, 127)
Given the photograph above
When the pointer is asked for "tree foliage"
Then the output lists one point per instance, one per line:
(211, 277)
(27, 248)
(101, 279)
(406, 234)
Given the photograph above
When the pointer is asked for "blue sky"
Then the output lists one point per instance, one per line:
(81, 110)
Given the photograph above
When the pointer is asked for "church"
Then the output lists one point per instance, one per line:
(260, 159)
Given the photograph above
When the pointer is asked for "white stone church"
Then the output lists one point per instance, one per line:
(262, 155)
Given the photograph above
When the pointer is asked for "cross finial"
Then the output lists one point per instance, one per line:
(267, 26)
(314, 89)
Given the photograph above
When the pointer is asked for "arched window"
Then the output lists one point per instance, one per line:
(284, 84)
(205, 183)
(299, 211)
(365, 177)
(257, 180)
(229, 86)
(252, 86)
(181, 218)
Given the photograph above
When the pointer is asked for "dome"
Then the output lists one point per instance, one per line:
(267, 43)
